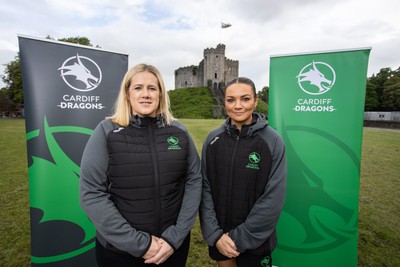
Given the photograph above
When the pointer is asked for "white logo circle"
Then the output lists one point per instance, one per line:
(81, 73)
(316, 78)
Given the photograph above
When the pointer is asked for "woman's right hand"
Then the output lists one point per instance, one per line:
(153, 249)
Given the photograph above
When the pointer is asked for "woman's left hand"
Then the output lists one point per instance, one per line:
(226, 246)
(163, 254)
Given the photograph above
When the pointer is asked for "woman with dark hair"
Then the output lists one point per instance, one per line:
(140, 180)
(244, 182)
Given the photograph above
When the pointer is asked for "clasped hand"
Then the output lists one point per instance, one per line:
(158, 252)
(227, 247)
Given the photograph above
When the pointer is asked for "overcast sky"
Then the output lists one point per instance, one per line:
(173, 33)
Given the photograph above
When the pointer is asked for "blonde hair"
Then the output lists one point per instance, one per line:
(122, 108)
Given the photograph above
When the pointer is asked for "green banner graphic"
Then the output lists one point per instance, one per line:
(68, 89)
(317, 105)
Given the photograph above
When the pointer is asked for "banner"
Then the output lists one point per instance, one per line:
(68, 90)
(317, 105)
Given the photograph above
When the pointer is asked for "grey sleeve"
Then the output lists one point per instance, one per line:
(176, 234)
(208, 218)
(96, 202)
(263, 218)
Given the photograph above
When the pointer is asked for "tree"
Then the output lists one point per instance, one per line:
(391, 93)
(6, 104)
(13, 81)
(263, 94)
(77, 40)
(12, 74)
(378, 81)
(371, 97)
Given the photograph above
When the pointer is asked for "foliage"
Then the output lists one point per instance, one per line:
(193, 103)
(380, 79)
(13, 80)
(379, 237)
(198, 103)
(371, 97)
(263, 98)
(384, 89)
(391, 93)
(262, 107)
(6, 104)
(77, 40)
(263, 94)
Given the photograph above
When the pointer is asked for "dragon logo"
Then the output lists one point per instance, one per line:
(172, 140)
(265, 262)
(254, 157)
(56, 205)
(81, 73)
(325, 217)
(320, 77)
(173, 143)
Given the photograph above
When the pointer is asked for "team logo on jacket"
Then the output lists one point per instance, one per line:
(173, 143)
(254, 159)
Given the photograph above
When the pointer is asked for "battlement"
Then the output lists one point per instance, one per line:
(232, 61)
(220, 49)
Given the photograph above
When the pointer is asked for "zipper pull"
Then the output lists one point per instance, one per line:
(214, 140)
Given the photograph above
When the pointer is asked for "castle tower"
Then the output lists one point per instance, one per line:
(214, 71)
(214, 65)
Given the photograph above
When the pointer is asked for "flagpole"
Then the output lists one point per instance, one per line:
(220, 34)
(223, 26)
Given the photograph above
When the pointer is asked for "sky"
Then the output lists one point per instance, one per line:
(173, 34)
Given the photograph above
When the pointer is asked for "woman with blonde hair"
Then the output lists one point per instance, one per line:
(123, 109)
(140, 181)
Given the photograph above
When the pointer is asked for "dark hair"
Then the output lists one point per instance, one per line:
(242, 80)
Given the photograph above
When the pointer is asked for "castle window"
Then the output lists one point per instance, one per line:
(216, 56)
(215, 75)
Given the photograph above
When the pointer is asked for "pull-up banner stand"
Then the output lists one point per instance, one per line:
(317, 105)
(68, 90)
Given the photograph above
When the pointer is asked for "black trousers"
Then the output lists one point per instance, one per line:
(244, 259)
(108, 258)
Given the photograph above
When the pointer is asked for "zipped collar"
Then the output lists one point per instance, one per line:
(258, 123)
(139, 122)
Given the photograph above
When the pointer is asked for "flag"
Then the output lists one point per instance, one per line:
(225, 25)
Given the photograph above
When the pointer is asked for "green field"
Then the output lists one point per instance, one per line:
(379, 235)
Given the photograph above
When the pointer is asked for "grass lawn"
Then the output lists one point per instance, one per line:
(379, 235)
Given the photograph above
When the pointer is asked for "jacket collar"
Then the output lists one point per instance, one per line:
(258, 123)
(157, 121)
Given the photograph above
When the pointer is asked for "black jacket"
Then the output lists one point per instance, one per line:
(138, 181)
(244, 185)
(147, 172)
